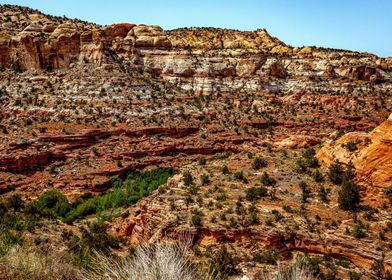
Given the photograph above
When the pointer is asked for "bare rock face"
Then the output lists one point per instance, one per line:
(149, 36)
(370, 154)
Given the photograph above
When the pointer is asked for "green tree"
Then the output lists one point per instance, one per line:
(349, 197)
(335, 173)
(51, 204)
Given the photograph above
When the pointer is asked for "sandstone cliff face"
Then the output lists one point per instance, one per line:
(371, 156)
(203, 60)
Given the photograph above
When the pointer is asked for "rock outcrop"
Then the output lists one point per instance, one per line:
(370, 154)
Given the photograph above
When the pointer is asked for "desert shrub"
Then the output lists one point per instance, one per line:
(196, 219)
(379, 270)
(93, 238)
(288, 209)
(222, 263)
(115, 182)
(349, 197)
(83, 209)
(267, 180)
(388, 191)
(305, 191)
(225, 169)
(369, 212)
(277, 215)
(188, 199)
(271, 256)
(300, 166)
(16, 220)
(15, 202)
(269, 222)
(353, 275)
(338, 174)
(239, 175)
(309, 157)
(233, 222)
(349, 173)
(3, 209)
(308, 152)
(202, 161)
(311, 162)
(193, 189)
(254, 193)
(388, 194)
(317, 176)
(13, 220)
(221, 196)
(187, 178)
(204, 179)
(358, 231)
(343, 263)
(352, 146)
(339, 134)
(308, 160)
(52, 204)
(252, 218)
(239, 207)
(259, 162)
(323, 194)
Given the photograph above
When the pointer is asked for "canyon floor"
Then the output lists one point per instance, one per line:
(233, 142)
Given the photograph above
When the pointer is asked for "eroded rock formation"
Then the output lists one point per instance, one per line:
(370, 154)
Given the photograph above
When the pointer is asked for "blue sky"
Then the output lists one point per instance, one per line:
(360, 25)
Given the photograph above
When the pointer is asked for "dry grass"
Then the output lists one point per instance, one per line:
(21, 262)
(298, 271)
(167, 261)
